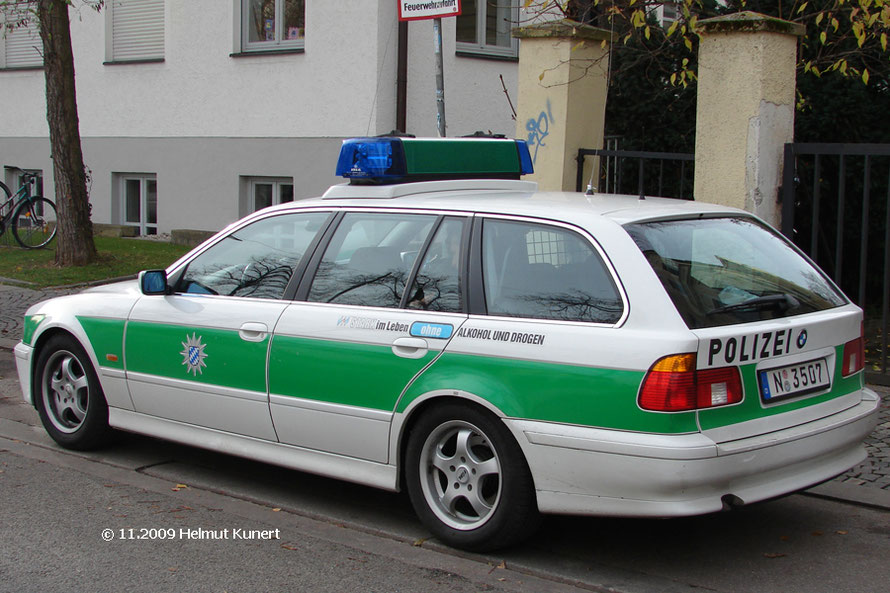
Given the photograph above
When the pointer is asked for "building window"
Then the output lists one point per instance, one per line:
(139, 202)
(272, 25)
(669, 13)
(134, 30)
(484, 26)
(20, 46)
(268, 191)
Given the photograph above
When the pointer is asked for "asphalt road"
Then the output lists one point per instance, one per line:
(315, 534)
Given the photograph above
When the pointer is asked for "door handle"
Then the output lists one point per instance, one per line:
(253, 331)
(410, 347)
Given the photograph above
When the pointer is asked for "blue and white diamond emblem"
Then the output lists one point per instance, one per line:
(193, 354)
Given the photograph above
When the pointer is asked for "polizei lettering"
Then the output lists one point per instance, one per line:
(751, 348)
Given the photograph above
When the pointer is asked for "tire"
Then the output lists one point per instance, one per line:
(5, 203)
(468, 480)
(68, 396)
(34, 223)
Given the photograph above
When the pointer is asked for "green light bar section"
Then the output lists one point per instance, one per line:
(460, 156)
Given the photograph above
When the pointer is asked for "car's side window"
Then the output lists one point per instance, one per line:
(437, 284)
(546, 272)
(369, 259)
(257, 260)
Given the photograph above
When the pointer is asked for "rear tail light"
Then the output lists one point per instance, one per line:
(854, 355)
(674, 385)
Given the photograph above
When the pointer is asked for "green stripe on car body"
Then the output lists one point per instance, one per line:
(107, 339)
(32, 322)
(570, 394)
(228, 360)
(348, 373)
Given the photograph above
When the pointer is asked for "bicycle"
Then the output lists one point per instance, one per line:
(33, 219)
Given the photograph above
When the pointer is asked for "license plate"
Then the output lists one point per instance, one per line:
(793, 380)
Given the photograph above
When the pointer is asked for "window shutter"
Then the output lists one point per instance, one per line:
(137, 30)
(23, 47)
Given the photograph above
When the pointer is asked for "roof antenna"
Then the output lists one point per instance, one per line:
(591, 189)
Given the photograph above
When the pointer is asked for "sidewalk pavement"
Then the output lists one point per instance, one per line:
(868, 483)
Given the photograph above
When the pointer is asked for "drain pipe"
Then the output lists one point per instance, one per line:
(402, 79)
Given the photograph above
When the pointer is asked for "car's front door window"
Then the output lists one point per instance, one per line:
(255, 261)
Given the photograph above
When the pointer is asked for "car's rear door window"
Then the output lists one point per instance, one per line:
(722, 271)
(437, 285)
(545, 272)
(369, 258)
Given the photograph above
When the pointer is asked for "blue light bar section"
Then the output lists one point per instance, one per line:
(371, 158)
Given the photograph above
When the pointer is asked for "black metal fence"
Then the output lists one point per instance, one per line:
(666, 174)
(836, 207)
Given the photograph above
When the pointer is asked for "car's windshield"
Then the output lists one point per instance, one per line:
(721, 271)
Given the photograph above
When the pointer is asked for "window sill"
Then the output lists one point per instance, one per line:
(267, 52)
(485, 56)
(129, 62)
(21, 68)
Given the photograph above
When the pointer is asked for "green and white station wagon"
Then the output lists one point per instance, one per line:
(438, 325)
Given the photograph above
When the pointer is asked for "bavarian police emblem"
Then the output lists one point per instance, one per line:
(193, 354)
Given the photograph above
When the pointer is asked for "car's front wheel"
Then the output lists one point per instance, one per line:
(68, 396)
(468, 480)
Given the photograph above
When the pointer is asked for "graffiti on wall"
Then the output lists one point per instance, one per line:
(538, 129)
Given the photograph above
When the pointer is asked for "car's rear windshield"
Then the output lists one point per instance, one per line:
(722, 271)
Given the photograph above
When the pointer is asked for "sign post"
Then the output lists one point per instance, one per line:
(412, 10)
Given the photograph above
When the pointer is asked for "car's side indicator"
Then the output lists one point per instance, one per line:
(111, 357)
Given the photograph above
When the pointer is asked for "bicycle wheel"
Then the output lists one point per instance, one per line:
(6, 203)
(34, 223)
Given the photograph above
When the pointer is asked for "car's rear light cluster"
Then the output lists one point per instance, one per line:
(854, 355)
(674, 385)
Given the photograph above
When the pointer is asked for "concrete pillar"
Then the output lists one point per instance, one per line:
(746, 97)
(563, 69)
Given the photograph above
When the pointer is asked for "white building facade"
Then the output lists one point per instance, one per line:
(195, 113)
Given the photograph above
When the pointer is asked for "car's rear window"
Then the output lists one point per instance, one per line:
(722, 271)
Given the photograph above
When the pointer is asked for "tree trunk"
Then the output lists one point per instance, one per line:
(74, 241)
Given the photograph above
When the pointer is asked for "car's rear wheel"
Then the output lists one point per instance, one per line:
(468, 480)
(68, 396)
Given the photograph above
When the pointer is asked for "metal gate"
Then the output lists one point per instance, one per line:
(665, 174)
(836, 207)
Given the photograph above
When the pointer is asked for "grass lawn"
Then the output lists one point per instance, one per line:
(117, 257)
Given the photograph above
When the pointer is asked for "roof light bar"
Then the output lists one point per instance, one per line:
(398, 160)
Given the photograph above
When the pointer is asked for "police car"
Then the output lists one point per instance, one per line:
(437, 325)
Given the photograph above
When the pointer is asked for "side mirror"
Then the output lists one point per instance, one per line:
(152, 282)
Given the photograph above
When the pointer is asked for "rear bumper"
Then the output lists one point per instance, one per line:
(590, 471)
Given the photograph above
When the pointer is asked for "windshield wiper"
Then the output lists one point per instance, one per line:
(781, 301)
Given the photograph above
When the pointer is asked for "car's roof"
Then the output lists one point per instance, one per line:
(509, 197)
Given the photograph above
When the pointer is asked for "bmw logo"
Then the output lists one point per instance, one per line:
(802, 338)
